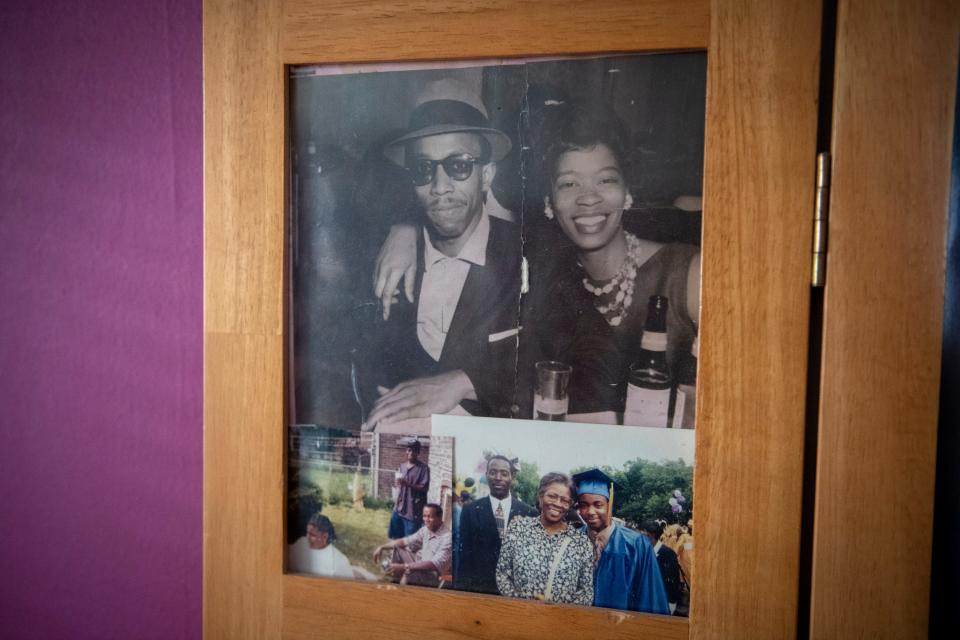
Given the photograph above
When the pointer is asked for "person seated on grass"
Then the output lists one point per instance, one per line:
(314, 553)
(422, 557)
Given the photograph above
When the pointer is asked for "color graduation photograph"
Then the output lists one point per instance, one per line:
(573, 513)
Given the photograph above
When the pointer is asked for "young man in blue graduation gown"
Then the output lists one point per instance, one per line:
(626, 574)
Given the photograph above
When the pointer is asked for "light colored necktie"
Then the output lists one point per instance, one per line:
(501, 521)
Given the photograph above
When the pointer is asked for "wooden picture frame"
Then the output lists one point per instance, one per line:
(763, 73)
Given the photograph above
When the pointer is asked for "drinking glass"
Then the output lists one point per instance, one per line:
(550, 399)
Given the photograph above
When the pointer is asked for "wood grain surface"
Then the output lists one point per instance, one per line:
(896, 71)
(243, 491)
(758, 192)
(399, 30)
(243, 495)
(356, 610)
(244, 135)
(763, 70)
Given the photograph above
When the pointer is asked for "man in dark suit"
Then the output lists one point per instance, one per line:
(456, 343)
(667, 559)
(482, 525)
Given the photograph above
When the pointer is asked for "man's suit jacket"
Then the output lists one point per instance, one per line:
(482, 339)
(480, 542)
(670, 571)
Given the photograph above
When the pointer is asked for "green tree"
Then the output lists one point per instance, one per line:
(647, 488)
(527, 482)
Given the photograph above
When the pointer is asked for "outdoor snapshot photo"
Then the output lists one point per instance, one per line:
(368, 507)
(573, 513)
(512, 240)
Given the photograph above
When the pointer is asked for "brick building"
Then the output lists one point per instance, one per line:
(389, 450)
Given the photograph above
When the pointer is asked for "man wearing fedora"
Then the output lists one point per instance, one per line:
(456, 342)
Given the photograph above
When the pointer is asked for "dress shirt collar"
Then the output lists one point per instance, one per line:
(439, 532)
(474, 251)
(656, 547)
(506, 503)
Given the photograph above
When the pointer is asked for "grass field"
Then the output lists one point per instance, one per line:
(337, 485)
(359, 533)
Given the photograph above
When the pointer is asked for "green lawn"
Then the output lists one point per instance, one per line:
(335, 484)
(359, 532)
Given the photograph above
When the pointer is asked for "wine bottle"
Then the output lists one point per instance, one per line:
(687, 387)
(650, 387)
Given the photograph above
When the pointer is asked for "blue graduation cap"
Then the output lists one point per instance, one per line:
(596, 482)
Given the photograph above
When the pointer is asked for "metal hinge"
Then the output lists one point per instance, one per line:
(821, 214)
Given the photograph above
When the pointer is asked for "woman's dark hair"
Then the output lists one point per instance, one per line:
(557, 478)
(323, 525)
(582, 128)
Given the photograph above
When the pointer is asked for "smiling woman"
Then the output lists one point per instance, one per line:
(588, 197)
(545, 557)
(591, 197)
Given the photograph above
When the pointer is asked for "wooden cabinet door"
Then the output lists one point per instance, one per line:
(763, 72)
(895, 80)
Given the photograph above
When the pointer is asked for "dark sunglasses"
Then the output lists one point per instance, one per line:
(459, 168)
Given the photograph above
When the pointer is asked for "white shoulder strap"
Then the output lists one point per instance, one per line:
(557, 557)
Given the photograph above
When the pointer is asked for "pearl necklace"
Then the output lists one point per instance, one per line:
(615, 310)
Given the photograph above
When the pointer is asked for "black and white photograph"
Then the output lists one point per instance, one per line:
(509, 239)
(573, 513)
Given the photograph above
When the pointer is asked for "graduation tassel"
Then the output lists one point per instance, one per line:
(610, 507)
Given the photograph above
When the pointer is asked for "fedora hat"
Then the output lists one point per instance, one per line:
(437, 117)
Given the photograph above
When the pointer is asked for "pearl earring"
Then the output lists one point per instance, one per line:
(547, 209)
(628, 202)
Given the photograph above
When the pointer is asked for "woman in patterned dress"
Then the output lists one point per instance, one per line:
(544, 557)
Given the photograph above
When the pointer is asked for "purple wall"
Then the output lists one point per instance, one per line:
(100, 319)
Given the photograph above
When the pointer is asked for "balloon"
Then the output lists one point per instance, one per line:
(676, 508)
(677, 494)
(673, 502)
